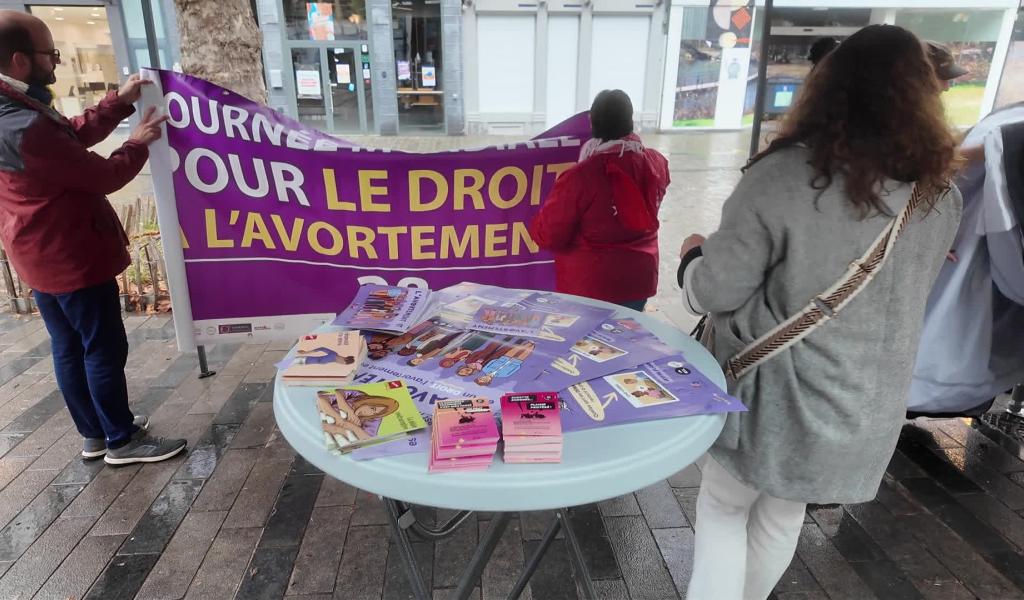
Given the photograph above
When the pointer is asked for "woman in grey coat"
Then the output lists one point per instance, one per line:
(825, 414)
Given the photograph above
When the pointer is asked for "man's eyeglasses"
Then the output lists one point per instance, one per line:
(54, 54)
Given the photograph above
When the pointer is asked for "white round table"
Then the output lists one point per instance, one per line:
(597, 464)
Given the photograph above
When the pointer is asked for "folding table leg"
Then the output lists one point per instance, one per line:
(419, 589)
(531, 567)
(481, 556)
(576, 554)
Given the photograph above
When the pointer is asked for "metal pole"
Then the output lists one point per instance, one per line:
(150, 25)
(204, 368)
(576, 555)
(405, 551)
(762, 78)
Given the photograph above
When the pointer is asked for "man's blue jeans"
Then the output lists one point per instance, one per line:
(90, 349)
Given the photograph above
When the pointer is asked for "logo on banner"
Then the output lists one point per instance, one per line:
(235, 328)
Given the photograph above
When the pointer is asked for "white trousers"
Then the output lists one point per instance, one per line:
(744, 539)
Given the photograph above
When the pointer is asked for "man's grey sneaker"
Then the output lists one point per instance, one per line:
(95, 448)
(144, 448)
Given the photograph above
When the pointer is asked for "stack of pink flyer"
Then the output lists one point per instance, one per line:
(531, 427)
(464, 435)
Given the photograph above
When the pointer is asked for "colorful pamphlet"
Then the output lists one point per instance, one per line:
(531, 415)
(541, 315)
(464, 435)
(460, 302)
(461, 423)
(358, 416)
(615, 345)
(444, 355)
(385, 308)
(531, 427)
(324, 359)
(665, 388)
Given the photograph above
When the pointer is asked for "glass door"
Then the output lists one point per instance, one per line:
(311, 107)
(345, 107)
(332, 87)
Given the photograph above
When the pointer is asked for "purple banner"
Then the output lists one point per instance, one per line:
(280, 223)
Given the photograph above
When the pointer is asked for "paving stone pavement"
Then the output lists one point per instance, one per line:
(241, 516)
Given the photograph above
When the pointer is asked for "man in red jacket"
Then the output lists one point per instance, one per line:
(65, 239)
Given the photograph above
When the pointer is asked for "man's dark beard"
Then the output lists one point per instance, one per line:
(38, 80)
(40, 77)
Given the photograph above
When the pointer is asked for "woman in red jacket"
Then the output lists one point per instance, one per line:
(601, 218)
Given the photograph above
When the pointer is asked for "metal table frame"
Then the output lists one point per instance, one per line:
(403, 521)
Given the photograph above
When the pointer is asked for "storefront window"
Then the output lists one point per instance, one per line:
(135, 28)
(1011, 86)
(416, 26)
(325, 21)
(88, 68)
(717, 74)
(971, 36)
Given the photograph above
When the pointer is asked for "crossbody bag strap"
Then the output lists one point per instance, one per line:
(827, 305)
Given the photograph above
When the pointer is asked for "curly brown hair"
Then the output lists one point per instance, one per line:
(871, 111)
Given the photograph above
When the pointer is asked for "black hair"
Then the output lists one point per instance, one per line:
(14, 37)
(611, 115)
(820, 49)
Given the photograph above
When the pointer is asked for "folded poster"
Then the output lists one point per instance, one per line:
(665, 388)
(617, 344)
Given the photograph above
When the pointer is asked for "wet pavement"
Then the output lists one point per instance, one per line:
(241, 516)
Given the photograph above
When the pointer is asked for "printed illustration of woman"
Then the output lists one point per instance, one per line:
(389, 343)
(377, 345)
(508, 364)
(490, 316)
(646, 388)
(477, 360)
(379, 306)
(434, 333)
(463, 348)
(435, 347)
(354, 418)
(326, 357)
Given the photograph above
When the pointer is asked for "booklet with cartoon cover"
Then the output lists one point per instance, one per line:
(464, 423)
(324, 359)
(665, 388)
(531, 415)
(464, 435)
(531, 427)
(363, 415)
(385, 308)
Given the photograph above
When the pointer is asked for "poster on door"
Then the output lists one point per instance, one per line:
(344, 74)
(307, 84)
(404, 73)
(320, 20)
(429, 77)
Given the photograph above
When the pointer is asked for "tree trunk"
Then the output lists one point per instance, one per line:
(221, 42)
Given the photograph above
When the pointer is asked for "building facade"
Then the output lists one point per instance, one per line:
(979, 33)
(102, 42)
(366, 66)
